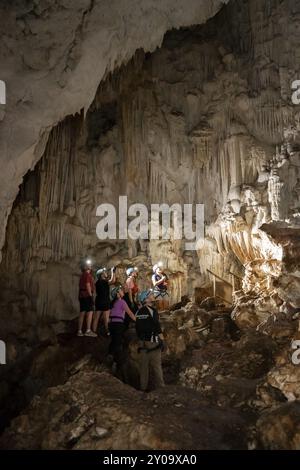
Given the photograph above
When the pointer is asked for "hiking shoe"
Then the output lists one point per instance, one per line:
(91, 334)
(79, 333)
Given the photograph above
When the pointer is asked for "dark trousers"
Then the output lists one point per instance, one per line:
(116, 345)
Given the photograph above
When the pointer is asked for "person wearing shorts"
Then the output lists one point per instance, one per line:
(86, 299)
(160, 287)
(132, 288)
(102, 302)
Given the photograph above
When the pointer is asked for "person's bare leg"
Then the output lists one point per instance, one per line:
(89, 318)
(80, 320)
(96, 321)
(106, 319)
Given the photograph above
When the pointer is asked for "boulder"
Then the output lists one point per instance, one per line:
(279, 429)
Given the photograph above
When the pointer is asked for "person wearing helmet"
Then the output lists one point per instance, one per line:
(151, 341)
(102, 301)
(86, 299)
(118, 310)
(132, 288)
(160, 287)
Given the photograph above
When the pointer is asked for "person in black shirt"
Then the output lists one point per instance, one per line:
(151, 341)
(102, 302)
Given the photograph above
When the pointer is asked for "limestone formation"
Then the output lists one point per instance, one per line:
(159, 135)
(53, 57)
(162, 103)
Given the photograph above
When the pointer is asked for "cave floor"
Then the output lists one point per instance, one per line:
(81, 405)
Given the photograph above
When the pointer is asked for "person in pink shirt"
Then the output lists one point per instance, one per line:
(119, 309)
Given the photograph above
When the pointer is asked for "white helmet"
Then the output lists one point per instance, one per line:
(100, 271)
(86, 263)
(129, 271)
(158, 265)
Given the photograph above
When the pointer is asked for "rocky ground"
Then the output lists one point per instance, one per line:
(94, 410)
(227, 388)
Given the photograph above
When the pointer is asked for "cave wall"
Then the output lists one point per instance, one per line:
(53, 56)
(207, 118)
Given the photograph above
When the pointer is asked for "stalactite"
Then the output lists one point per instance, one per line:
(197, 122)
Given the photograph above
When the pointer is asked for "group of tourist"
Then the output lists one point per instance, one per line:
(116, 307)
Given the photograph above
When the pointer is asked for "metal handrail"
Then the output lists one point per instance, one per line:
(214, 286)
(222, 298)
(219, 277)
